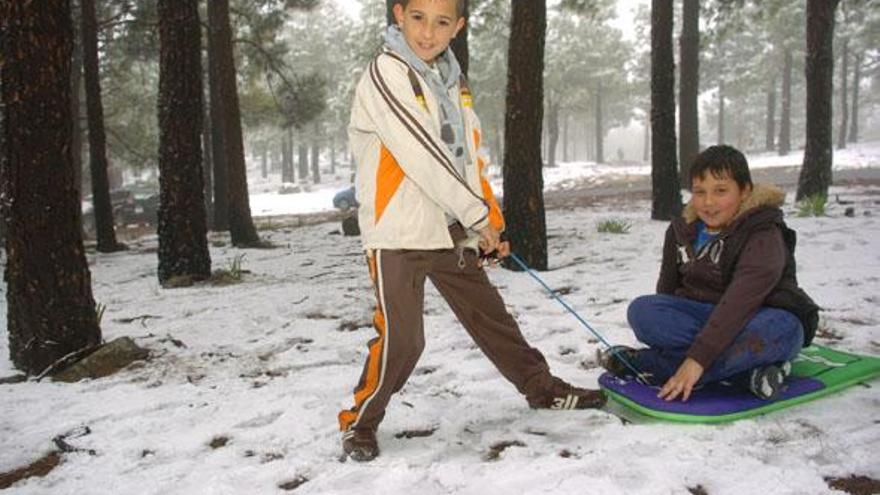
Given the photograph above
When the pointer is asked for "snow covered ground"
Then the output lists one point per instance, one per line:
(266, 365)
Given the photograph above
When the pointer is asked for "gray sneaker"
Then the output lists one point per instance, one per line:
(766, 381)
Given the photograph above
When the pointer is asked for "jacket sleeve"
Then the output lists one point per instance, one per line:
(386, 99)
(757, 272)
(496, 217)
(669, 279)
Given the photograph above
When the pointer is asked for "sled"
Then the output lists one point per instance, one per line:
(817, 372)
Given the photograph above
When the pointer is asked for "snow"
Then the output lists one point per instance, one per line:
(269, 362)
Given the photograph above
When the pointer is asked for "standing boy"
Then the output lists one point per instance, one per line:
(728, 305)
(425, 211)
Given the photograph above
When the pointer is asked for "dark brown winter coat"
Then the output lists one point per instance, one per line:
(750, 264)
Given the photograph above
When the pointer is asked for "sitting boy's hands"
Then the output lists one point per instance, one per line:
(682, 382)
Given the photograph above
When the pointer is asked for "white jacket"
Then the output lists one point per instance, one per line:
(406, 179)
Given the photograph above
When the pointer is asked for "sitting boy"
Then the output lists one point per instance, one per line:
(728, 305)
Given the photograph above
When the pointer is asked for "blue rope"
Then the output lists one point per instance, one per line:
(619, 355)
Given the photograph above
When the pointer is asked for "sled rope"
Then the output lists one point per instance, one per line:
(639, 375)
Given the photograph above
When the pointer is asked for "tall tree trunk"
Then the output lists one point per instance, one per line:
(844, 100)
(854, 120)
(207, 142)
(600, 127)
(103, 209)
(332, 150)
(665, 188)
(565, 138)
(316, 168)
(303, 163)
(76, 77)
(286, 167)
(553, 132)
(219, 158)
(264, 161)
(183, 240)
(785, 118)
(523, 179)
(689, 87)
(816, 177)
(770, 134)
(242, 231)
(721, 133)
(459, 44)
(50, 310)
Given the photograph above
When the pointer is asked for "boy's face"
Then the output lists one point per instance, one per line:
(428, 26)
(717, 199)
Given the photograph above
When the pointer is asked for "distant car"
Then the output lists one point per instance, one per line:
(345, 199)
(128, 208)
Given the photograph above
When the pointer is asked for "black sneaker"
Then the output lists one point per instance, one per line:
(360, 444)
(562, 395)
(766, 381)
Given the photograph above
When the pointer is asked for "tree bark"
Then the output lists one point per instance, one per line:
(102, 207)
(785, 118)
(287, 174)
(770, 133)
(844, 99)
(523, 180)
(316, 168)
(242, 231)
(50, 308)
(76, 81)
(219, 158)
(689, 86)
(816, 176)
(665, 188)
(303, 163)
(207, 142)
(565, 138)
(854, 120)
(600, 128)
(183, 242)
(552, 132)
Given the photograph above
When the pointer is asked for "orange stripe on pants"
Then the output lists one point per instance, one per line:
(370, 377)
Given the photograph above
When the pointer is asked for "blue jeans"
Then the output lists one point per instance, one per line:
(669, 324)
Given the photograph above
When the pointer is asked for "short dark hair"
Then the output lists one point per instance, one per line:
(721, 159)
(459, 6)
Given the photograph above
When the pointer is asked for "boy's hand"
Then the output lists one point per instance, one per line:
(489, 239)
(682, 382)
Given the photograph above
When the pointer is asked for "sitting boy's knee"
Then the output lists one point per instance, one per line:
(639, 307)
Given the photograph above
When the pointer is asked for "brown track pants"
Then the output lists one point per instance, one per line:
(399, 280)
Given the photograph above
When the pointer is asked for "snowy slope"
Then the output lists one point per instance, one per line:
(268, 363)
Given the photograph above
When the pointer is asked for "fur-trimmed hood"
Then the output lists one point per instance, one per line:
(761, 195)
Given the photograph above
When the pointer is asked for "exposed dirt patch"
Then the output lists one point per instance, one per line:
(856, 485)
(496, 449)
(293, 484)
(416, 433)
(697, 490)
(40, 467)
